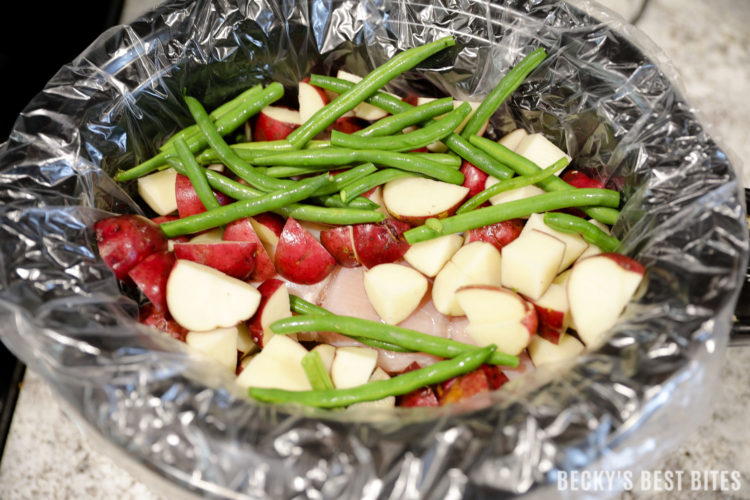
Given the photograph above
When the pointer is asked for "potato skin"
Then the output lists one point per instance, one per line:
(125, 240)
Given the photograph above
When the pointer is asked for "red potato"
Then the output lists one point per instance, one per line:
(149, 315)
(462, 387)
(242, 230)
(578, 179)
(268, 227)
(150, 276)
(553, 312)
(348, 124)
(339, 241)
(474, 179)
(274, 123)
(424, 396)
(188, 202)
(599, 288)
(495, 376)
(311, 99)
(499, 234)
(125, 240)
(300, 257)
(415, 199)
(169, 218)
(274, 305)
(380, 243)
(233, 258)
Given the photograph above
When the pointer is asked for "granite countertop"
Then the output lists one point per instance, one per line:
(46, 455)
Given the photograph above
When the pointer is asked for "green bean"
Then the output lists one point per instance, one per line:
(248, 151)
(332, 201)
(509, 83)
(477, 157)
(281, 171)
(316, 371)
(338, 156)
(413, 140)
(366, 183)
(243, 208)
(593, 234)
(522, 166)
(382, 100)
(349, 176)
(398, 122)
(196, 174)
(410, 339)
(227, 154)
(376, 79)
(449, 160)
(337, 216)
(192, 131)
(512, 210)
(224, 125)
(510, 184)
(301, 306)
(375, 390)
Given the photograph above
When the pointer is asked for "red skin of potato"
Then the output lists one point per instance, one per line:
(495, 376)
(148, 315)
(270, 129)
(424, 396)
(254, 326)
(151, 274)
(348, 124)
(578, 179)
(380, 243)
(550, 323)
(462, 387)
(242, 230)
(272, 221)
(499, 234)
(188, 202)
(339, 241)
(474, 179)
(169, 218)
(125, 240)
(234, 258)
(300, 257)
(625, 262)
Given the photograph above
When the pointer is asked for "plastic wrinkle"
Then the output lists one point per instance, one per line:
(604, 93)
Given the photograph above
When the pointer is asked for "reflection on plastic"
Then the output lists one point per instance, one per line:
(598, 95)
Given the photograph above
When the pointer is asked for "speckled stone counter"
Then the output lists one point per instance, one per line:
(47, 457)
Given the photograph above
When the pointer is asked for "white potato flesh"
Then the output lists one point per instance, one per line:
(530, 263)
(539, 149)
(510, 337)
(310, 101)
(158, 191)
(220, 345)
(277, 366)
(326, 353)
(200, 298)
(363, 110)
(283, 115)
(485, 304)
(542, 351)
(429, 257)
(394, 291)
(575, 245)
(511, 140)
(384, 403)
(419, 197)
(599, 288)
(352, 366)
(215, 235)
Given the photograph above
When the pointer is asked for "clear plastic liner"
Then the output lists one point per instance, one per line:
(604, 93)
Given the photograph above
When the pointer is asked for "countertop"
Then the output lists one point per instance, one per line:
(47, 457)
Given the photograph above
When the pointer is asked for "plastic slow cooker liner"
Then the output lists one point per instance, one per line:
(604, 94)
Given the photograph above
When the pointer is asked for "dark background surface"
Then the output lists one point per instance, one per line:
(36, 39)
